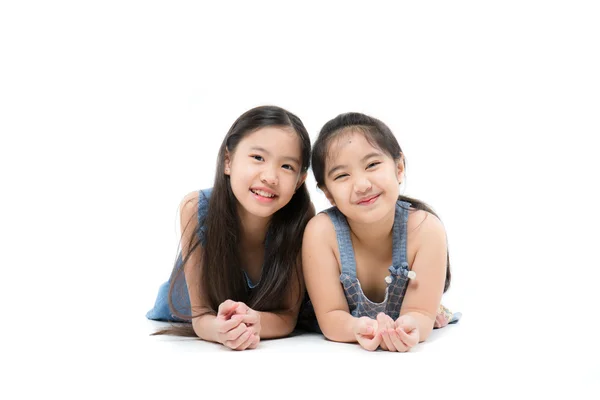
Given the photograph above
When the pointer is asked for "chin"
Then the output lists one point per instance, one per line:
(261, 211)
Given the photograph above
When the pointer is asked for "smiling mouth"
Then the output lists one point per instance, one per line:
(263, 194)
(369, 200)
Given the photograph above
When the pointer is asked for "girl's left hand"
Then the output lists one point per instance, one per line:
(400, 336)
(252, 320)
(408, 329)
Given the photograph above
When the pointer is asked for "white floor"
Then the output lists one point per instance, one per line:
(456, 361)
(119, 359)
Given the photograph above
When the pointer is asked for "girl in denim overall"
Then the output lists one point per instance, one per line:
(376, 263)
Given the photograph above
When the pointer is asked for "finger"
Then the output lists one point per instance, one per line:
(251, 318)
(365, 329)
(387, 340)
(234, 344)
(229, 324)
(384, 338)
(235, 333)
(256, 341)
(385, 321)
(247, 343)
(382, 344)
(227, 307)
(408, 324)
(242, 308)
(398, 343)
(410, 339)
(369, 344)
(381, 319)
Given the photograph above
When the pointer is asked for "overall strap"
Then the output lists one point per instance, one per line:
(342, 231)
(399, 254)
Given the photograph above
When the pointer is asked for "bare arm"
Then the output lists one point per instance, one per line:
(203, 325)
(321, 274)
(424, 293)
(282, 323)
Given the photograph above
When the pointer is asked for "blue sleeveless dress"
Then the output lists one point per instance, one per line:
(180, 297)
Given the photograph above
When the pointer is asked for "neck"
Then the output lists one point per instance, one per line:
(253, 229)
(374, 234)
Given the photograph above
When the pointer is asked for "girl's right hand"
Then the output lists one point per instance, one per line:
(231, 331)
(365, 331)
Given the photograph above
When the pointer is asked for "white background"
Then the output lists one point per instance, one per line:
(110, 112)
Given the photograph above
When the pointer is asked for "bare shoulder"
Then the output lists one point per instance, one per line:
(425, 226)
(189, 205)
(319, 227)
(188, 211)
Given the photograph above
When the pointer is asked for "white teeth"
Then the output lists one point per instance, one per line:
(261, 193)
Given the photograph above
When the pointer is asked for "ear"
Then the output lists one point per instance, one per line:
(400, 168)
(227, 165)
(301, 180)
(328, 195)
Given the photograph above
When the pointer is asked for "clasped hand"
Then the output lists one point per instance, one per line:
(237, 325)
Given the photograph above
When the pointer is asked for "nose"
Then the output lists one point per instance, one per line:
(362, 185)
(269, 176)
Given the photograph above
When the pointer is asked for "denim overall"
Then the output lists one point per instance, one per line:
(397, 282)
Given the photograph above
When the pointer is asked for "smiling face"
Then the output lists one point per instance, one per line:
(265, 170)
(360, 179)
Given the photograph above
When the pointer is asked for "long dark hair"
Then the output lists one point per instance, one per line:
(378, 135)
(222, 276)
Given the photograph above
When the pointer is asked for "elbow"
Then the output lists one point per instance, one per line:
(331, 333)
(328, 333)
(331, 336)
(288, 328)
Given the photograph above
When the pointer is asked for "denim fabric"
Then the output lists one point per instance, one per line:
(180, 298)
(358, 303)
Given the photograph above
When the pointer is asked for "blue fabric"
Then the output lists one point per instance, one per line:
(181, 298)
(358, 304)
(397, 282)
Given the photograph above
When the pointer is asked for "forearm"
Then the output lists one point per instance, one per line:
(338, 326)
(424, 322)
(205, 327)
(276, 325)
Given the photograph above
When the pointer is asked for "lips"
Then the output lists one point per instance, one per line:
(368, 199)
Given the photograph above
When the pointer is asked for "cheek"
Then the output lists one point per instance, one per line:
(288, 182)
(340, 191)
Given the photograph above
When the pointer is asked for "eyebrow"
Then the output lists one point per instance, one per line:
(365, 158)
(257, 148)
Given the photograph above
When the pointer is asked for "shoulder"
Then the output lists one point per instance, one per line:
(192, 201)
(424, 227)
(189, 203)
(320, 243)
(320, 225)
